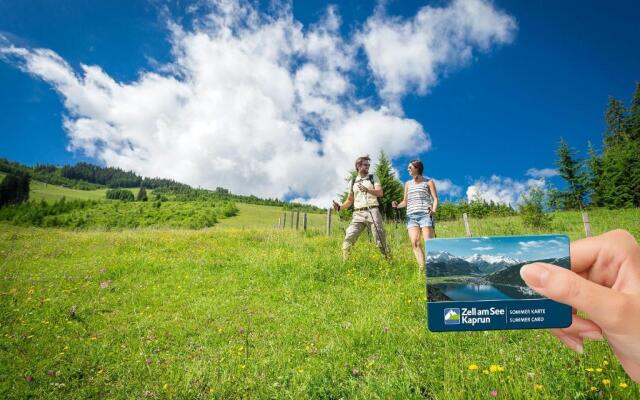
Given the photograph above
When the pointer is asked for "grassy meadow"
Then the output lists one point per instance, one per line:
(235, 311)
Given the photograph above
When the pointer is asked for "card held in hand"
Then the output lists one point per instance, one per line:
(474, 283)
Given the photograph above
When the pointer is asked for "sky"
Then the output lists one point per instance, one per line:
(523, 248)
(277, 99)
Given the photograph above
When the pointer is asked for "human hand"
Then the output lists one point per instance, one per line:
(394, 204)
(604, 282)
(363, 188)
(336, 206)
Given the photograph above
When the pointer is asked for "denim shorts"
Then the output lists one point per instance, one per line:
(421, 220)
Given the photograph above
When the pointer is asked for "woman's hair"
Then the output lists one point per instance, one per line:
(417, 164)
(360, 160)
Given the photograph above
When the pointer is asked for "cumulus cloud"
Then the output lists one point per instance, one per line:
(503, 190)
(541, 173)
(482, 248)
(411, 54)
(445, 186)
(255, 103)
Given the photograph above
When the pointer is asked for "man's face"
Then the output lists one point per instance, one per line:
(364, 167)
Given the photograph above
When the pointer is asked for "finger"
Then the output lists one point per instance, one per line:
(572, 342)
(593, 251)
(583, 328)
(566, 287)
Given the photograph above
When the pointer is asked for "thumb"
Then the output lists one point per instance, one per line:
(560, 284)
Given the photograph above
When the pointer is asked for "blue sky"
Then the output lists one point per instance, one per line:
(479, 122)
(524, 248)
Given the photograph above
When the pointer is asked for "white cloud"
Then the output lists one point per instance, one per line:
(253, 103)
(542, 173)
(411, 54)
(445, 186)
(551, 244)
(482, 248)
(502, 189)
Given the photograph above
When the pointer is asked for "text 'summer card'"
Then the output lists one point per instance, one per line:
(474, 283)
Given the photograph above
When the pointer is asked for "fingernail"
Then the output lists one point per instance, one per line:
(579, 349)
(535, 274)
(593, 335)
(574, 345)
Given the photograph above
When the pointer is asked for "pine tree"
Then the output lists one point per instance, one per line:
(14, 188)
(595, 183)
(391, 186)
(142, 194)
(570, 169)
(615, 118)
(634, 115)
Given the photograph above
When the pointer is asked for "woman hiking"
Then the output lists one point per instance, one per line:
(421, 201)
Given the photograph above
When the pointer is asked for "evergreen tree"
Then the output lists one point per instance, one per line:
(595, 182)
(634, 115)
(532, 209)
(615, 118)
(142, 194)
(570, 169)
(14, 188)
(391, 186)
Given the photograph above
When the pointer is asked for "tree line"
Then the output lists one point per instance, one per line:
(610, 176)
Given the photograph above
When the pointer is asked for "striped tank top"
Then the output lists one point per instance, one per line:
(419, 198)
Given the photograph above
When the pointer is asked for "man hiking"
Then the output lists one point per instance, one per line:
(364, 191)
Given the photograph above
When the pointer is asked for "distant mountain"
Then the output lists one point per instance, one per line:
(511, 275)
(445, 264)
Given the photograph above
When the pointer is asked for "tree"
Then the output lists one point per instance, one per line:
(532, 209)
(391, 186)
(595, 183)
(615, 119)
(570, 169)
(14, 188)
(142, 194)
(634, 115)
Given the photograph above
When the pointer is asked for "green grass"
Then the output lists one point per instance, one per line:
(262, 313)
(252, 216)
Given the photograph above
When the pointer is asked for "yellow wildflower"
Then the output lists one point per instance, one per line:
(606, 382)
(589, 369)
(605, 363)
(538, 387)
(472, 367)
(623, 385)
(593, 388)
(598, 369)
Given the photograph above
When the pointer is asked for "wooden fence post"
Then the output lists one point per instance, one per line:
(284, 219)
(328, 221)
(279, 222)
(304, 222)
(466, 224)
(291, 219)
(587, 224)
(297, 219)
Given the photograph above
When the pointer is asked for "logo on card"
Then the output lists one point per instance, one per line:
(452, 316)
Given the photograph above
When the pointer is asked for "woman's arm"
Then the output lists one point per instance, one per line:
(403, 203)
(434, 194)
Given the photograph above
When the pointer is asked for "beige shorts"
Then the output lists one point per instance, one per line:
(362, 219)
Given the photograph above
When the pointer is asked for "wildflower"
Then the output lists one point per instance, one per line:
(531, 374)
(623, 385)
(165, 386)
(605, 363)
(300, 370)
(606, 382)
(485, 371)
(538, 387)
(598, 369)
(589, 369)
(496, 368)
(593, 388)
(473, 367)
(494, 393)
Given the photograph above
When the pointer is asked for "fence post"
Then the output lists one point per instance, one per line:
(328, 221)
(587, 224)
(291, 219)
(466, 224)
(279, 222)
(297, 219)
(304, 222)
(284, 219)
